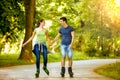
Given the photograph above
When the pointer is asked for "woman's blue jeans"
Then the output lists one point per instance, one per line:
(37, 53)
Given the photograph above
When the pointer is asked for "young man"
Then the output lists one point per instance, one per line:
(67, 33)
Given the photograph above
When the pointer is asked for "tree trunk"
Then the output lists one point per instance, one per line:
(26, 52)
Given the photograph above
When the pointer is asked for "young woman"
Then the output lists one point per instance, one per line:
(40, 35)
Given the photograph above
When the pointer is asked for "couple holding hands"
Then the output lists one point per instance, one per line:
(40, 35)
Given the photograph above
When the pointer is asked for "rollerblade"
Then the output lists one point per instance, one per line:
(37, 73)
(70, 72)
(62, 72)
(46, 70)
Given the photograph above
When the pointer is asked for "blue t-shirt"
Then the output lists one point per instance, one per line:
(66, 35)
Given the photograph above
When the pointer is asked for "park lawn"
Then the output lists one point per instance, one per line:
(110, 70)
(12, 59)
(56, 57)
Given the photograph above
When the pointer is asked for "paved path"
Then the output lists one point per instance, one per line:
(83, 70)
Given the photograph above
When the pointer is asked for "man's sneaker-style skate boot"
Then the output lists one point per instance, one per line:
(70, 72)
(62, 72)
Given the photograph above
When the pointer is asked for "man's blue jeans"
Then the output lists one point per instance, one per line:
(66, 50)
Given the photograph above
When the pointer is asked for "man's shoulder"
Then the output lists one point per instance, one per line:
(70, 26)
(61, 28)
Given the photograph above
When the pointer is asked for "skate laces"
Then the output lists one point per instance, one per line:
(46, 70)
(38, 71)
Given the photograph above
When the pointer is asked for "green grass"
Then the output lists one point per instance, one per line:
(110, 70)
(56, 57)
(80, 56)
(12, 59)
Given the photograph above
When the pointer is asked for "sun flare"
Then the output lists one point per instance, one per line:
(111, 10)
(117, 2)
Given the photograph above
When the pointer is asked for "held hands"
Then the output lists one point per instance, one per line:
(51, 43)
(70, 45)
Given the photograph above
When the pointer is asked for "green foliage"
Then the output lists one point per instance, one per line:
(10, 17)
(95, 33)
(79, 44)
(11, 22)
(90, 50)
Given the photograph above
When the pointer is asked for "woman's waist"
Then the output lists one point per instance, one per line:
(39, 42)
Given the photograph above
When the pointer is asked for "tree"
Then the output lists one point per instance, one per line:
(26, 52)
(11, 23)
(10, 19)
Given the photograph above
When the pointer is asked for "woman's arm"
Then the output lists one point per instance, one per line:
(30, 39)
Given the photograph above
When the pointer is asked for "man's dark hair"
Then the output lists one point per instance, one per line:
(64, 19)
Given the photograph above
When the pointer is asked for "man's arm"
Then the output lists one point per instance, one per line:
(56, 38)
(72, 34)
(47, 37)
